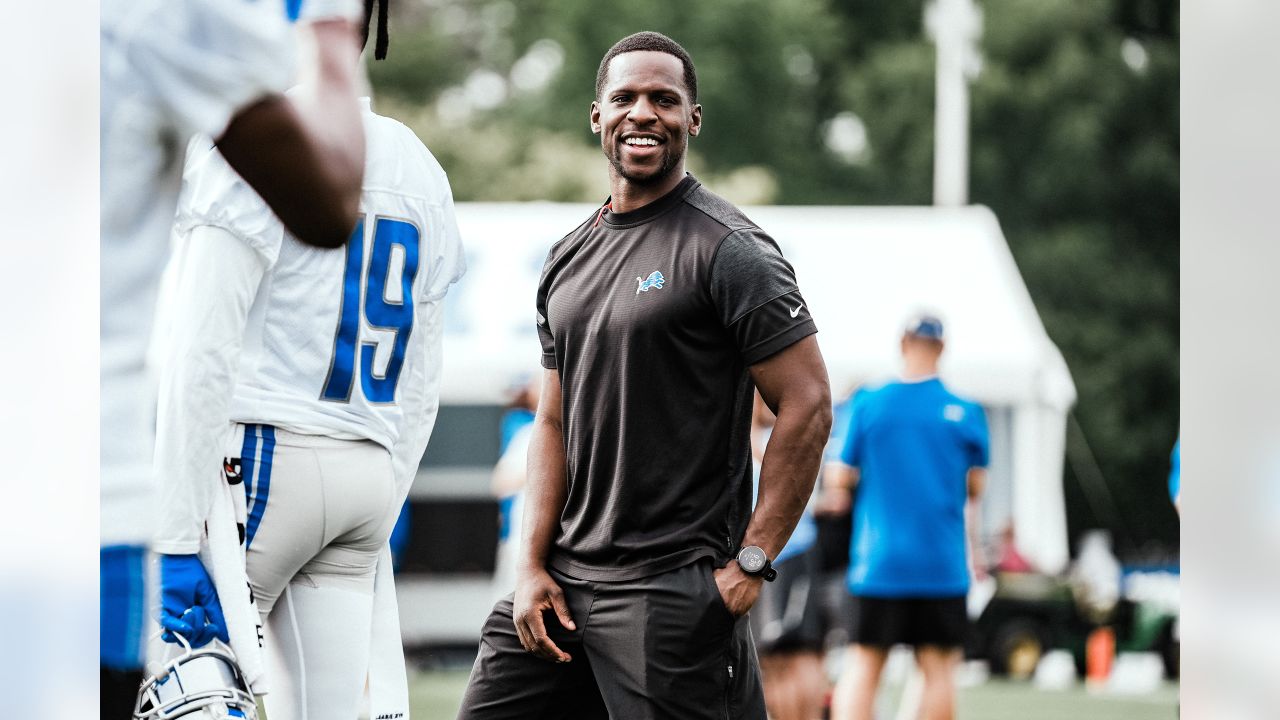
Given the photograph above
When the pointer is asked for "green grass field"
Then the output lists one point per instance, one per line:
(435, 696)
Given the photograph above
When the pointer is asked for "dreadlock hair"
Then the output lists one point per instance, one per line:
(655, 41)
(380, 46)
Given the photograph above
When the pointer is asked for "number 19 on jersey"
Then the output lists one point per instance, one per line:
(379, 311)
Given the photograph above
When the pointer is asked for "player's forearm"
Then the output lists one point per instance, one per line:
(545, 493)
(327, 98)
(216, 283)
(788, 472)
(304, 154)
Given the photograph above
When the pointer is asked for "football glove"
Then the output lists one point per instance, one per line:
(189, 603)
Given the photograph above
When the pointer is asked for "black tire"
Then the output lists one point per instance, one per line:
(1016, 648)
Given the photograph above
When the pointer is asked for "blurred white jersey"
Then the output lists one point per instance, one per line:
(331, 335)
(170, 69)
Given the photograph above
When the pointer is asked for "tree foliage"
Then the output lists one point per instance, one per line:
(1074, 145)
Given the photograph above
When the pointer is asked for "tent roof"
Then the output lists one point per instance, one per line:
(863, 271)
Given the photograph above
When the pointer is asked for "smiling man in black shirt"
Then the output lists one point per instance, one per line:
(658, 316)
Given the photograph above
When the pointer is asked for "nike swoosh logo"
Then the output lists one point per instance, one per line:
(796, 310)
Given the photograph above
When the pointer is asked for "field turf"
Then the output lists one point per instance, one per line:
(435, 695)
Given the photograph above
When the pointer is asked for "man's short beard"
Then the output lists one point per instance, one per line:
(669, 163)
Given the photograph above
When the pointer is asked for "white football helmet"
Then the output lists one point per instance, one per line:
(202, 683)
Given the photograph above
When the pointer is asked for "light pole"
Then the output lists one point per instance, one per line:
(956, 28)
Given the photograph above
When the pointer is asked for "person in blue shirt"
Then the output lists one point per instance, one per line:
(1175, 475)
(914, 454)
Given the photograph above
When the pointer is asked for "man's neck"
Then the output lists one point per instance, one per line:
(626, 196)
(917, 370)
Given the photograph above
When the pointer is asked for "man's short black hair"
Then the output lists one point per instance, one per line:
(655, 41)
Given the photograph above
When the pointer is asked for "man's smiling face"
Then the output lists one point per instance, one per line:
(644, 117)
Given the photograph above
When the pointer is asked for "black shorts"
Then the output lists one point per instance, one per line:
(884, 622)
(658, 647)
(787, 617)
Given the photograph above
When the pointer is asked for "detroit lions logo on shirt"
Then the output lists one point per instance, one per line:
(655, 280)
(954, 413)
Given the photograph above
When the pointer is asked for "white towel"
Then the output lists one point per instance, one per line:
(388, 681)
(223, 555)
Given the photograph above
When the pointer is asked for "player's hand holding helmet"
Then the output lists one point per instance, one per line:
(189, 603)
(197, 684)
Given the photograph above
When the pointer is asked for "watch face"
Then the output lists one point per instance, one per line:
(751, 559)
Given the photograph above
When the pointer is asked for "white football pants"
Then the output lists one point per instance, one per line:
(319, 511)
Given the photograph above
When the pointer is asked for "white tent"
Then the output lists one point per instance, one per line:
(863, 272)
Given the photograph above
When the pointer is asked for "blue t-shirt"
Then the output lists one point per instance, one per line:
(914, 443)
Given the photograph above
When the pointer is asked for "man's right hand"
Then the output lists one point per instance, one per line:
(535, 593)
(189, 603)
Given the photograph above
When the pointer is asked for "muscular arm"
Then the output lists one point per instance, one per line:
(546, 491)
(794, 385)
(304, 154)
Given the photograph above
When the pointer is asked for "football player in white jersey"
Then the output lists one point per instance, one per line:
(310, 378)
(169, 70)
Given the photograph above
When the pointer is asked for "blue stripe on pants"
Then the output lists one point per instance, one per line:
(262, 488)
(248, 449)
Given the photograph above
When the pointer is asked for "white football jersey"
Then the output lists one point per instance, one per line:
(334, 337)
(170, 69)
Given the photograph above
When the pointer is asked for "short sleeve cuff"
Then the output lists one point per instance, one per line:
(783, 340)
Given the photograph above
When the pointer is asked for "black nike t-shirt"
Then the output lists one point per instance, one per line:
(652, 319)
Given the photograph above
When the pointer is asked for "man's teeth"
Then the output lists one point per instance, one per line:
(640, 141)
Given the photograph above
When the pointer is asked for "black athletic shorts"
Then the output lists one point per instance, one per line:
(654, 648)
(787, 617)
(885, 622)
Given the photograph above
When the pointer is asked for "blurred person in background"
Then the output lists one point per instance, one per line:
(521, 407)
(656, 316)
(915, 454)
(832, 514)
(300, 388)
(786, 620)
(509, 477)
(1010, 559)
(169, 71)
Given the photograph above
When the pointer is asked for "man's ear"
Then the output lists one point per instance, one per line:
(696, 120)
(595, 118)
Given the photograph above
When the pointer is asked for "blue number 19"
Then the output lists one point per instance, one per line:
(378, 311)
